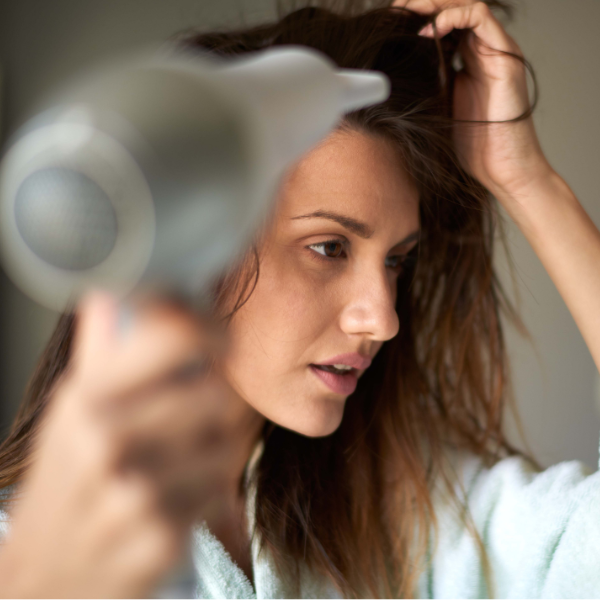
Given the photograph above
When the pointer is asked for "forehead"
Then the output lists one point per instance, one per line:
(355, 173)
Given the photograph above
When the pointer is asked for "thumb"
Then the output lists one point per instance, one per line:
(95, 333)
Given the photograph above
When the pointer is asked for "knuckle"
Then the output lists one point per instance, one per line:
(480, 9)
(120, 511)
(157, 547)
(95, 456)
(165, 547)
(135, 499)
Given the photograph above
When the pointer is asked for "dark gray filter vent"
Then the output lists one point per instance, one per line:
(66, 218)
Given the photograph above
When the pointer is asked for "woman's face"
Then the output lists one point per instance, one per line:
(346, 216)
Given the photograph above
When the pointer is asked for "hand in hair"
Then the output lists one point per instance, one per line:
(492, 86)
(507, 159)
(133, 448)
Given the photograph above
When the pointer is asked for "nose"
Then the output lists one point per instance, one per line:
(369, 308)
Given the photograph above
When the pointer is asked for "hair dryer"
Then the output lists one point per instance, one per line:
(161, 169)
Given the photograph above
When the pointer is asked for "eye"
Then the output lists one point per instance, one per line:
(330, 248)
(401, 262)
(394, 262)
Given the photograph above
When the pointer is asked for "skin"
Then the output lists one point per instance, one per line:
(93, 520)
(508, 160)
(86, 527)
(121, 392)
(307, 307)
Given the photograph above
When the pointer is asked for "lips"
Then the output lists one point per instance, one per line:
(341, 382)
(352, 359)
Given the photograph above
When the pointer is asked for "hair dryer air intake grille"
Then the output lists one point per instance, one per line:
(65, 218)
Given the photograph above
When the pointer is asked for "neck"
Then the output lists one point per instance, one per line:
(246, 444)
(248, 427)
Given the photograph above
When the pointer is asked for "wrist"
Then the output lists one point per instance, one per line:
(543, 191)
(543, 209)
(536, 176)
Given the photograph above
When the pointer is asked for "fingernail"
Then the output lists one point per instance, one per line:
(427, 30)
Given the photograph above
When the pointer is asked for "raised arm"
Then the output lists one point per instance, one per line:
(508, 160)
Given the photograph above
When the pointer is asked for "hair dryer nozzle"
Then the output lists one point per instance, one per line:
(362, 89)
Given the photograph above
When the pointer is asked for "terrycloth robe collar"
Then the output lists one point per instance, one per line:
(218, 576)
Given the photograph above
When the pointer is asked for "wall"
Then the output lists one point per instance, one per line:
(557, 389)
(42, 42)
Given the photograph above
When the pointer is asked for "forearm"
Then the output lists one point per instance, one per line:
(568, 244)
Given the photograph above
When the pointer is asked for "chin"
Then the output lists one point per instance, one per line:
(322, 419)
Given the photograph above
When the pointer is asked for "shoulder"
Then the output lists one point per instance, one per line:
(516, 479)
(540, 528)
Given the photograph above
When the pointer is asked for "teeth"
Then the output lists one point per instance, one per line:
(339, 369)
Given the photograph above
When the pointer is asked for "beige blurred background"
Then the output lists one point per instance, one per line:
(43, 42)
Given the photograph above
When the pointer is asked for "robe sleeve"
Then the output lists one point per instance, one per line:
(540, 531)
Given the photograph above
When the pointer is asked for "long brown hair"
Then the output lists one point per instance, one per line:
(356, 506)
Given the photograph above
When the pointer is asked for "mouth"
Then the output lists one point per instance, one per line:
(341, 379)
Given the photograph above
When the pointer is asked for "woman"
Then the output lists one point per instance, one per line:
(352, 423)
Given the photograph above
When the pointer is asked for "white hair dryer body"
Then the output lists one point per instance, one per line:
(161, 170)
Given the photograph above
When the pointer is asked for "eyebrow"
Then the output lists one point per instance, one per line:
(415, 235)
(360, 228)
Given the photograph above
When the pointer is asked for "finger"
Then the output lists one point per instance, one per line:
(175, 423)
(187, 481)
(164, 342)
(97, 316)
(430, 6)
(161, 338)
(172, 415)
(185, 490)
(143, 556)
(479, 18)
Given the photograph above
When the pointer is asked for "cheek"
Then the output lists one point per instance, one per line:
(284, 304)
(278, 329)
